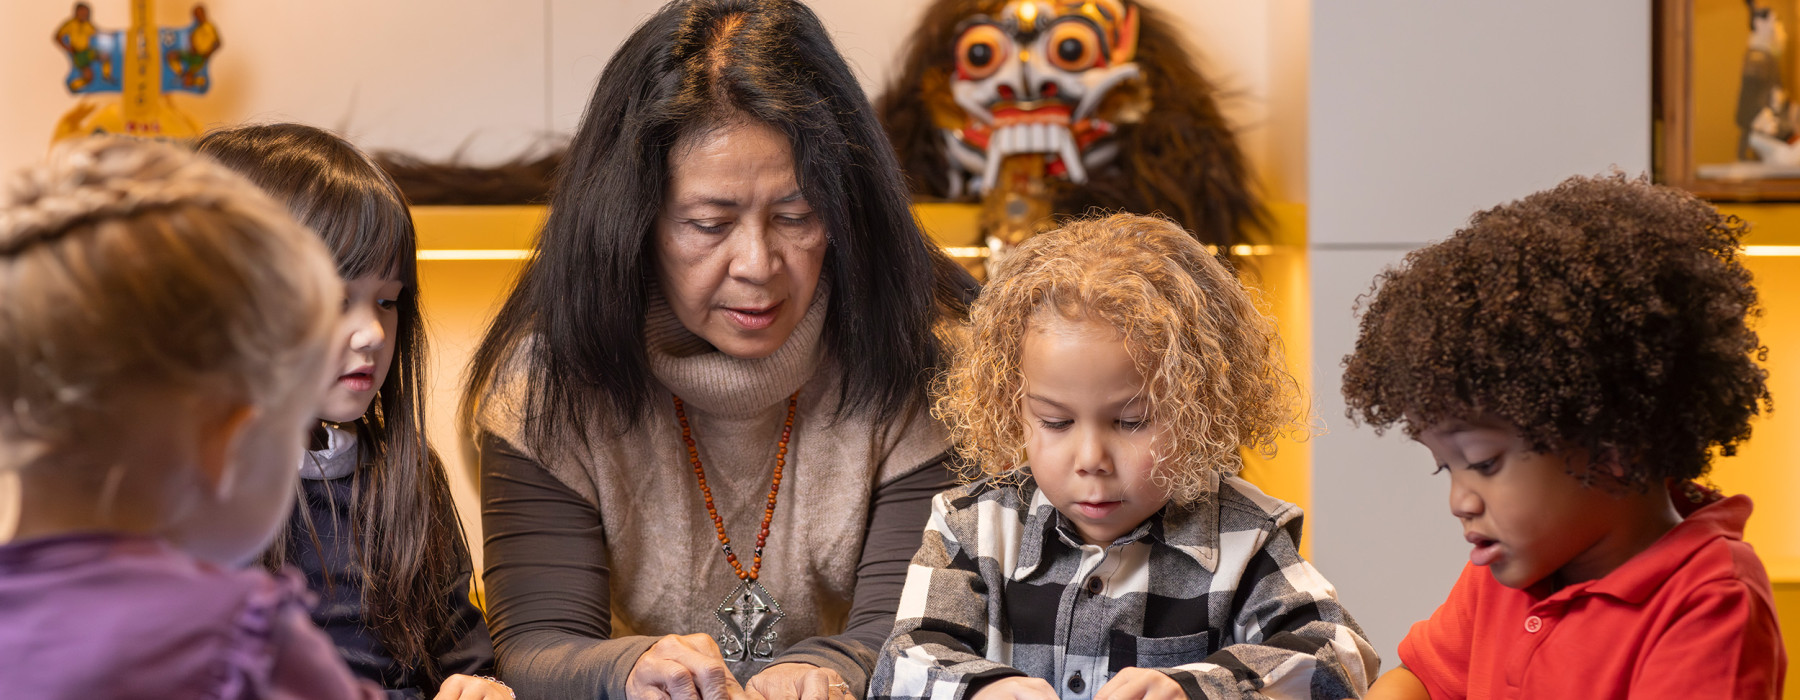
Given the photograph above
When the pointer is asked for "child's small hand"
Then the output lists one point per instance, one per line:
(1140, 684)
(461, 687)
(1017, 688)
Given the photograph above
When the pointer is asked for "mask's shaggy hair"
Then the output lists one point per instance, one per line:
(1211, 361)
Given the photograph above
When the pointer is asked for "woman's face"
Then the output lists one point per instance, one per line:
(738, 248)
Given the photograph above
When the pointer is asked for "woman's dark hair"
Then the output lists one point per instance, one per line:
(1607, 314)
(693, 66)
(409, 540)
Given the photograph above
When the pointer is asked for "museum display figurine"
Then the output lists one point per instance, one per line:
(142, 64)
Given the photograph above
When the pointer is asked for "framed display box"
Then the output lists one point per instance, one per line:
(1727, 108)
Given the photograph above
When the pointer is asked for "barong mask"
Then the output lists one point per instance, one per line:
(1045, 78)
(1043, 108)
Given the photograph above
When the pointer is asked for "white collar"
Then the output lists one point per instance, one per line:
(336, 461)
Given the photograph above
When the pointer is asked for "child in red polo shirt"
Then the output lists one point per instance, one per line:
(1571, 359)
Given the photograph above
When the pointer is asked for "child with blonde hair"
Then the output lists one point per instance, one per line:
(165, 333)
(1114, 370)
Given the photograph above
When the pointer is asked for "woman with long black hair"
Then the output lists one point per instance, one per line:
(706, 449)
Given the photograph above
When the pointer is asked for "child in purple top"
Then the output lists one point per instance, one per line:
(166, 329)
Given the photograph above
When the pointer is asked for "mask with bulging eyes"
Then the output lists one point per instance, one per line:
(1048, 79)
(1039, 109)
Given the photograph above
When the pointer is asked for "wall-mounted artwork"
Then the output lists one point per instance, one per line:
(1727, 104)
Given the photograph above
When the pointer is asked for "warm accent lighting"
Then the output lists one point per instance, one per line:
(975, 251)
(1772, 250)
(972, 251)
(1244, 251)
(474, 254)
(964, 252)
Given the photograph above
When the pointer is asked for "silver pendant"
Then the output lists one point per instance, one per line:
(749, 615)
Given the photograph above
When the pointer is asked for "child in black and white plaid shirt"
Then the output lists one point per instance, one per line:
(1113, 371)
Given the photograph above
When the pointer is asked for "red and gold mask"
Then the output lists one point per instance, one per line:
(1041, 77)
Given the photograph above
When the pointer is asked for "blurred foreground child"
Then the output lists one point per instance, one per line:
(163, 344)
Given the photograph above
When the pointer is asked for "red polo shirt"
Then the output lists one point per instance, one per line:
(1690, 617)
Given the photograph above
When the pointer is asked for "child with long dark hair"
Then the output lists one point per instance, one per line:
(376, 531)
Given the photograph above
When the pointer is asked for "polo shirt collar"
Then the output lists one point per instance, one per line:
(1638, 578)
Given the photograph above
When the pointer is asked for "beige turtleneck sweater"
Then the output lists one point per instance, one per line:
(594, 552)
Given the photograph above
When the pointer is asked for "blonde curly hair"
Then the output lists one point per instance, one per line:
(1212, 362)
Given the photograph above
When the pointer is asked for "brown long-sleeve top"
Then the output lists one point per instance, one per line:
(593, 552)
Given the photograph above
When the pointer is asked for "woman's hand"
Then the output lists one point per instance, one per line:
(797, 681)
(461, 687)
(1140, 684)
(685, 667)
(1017, 688)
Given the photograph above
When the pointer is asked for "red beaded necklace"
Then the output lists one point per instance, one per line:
(749, 613)
(762, 536)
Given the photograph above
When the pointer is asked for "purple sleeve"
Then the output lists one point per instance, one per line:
(280, 655)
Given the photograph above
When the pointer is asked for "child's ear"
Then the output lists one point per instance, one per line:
(1608, 461)
(220, 439)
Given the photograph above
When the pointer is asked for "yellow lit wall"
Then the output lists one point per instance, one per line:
(1768, 466)
(1280, 275)
(9, 505)
(470, 255)
(459, 297)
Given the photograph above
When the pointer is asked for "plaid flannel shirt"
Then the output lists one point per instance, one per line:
(1216, 596)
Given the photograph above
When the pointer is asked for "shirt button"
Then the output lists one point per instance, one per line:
(1076, 684)
(1094, 586)
(1533, 624)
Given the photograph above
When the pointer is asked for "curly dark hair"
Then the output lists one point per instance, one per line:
(1607, 314)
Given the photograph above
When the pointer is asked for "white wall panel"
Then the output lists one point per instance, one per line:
(1382, 529)
(1422, 112)
(582, 35)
